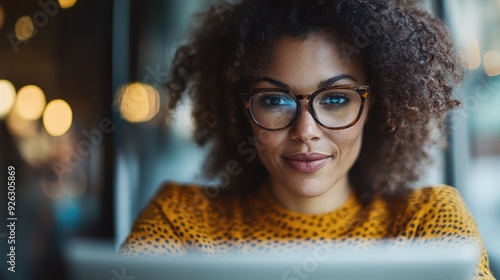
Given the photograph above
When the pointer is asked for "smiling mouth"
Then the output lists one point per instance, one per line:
(307, 163)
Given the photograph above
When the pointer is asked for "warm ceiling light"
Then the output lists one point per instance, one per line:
(473, 54)
(57, 117)
(24, 28)
(138, 102)
(492, 63)
(66, 4)
(30, 102)
(7, 97)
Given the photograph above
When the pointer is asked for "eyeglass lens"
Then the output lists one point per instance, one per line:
(333, 108)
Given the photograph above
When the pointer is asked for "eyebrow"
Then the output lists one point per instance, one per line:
(322, 84)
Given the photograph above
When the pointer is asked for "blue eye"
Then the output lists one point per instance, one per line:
(275, 100)
(335, 100)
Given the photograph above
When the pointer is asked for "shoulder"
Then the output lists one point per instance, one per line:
(430, 198)
(174, 195)
(436, 196)
(438, 212)
(191, 200)
(171, 189)
(441, 210)
(174, 213)
(431, 206)
(437, 199)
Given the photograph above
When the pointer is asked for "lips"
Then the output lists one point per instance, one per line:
(306, 162)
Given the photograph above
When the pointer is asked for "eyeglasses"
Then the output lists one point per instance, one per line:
(334, 107)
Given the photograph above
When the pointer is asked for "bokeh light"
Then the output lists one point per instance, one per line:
(24, 28)
(66, 4)
(72, 184)
(492, 63)
(473, 54)
(57, 117)
(53, 189)
(2, 16)
(30, 102)
(7, 97)
(20, 127)
(35, 150)
(138, 102)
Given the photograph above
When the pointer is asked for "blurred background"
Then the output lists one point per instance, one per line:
(80, 121)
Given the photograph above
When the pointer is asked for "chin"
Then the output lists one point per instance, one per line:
(309, 189)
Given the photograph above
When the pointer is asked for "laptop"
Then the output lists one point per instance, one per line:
(384, 260)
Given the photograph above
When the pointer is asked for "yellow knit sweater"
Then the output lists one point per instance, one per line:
(181, 219)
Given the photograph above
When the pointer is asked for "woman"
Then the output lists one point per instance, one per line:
(319, 114)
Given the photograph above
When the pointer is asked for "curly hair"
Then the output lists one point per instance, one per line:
(412, 67)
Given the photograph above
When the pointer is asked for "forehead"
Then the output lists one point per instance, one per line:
(302, 63)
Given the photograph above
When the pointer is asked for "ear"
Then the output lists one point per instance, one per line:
(245, 110)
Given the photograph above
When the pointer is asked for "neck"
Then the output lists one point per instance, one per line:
(326, 202)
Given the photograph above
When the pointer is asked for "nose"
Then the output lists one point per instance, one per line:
(305, 129)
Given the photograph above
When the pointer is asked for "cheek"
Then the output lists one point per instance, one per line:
(267, 143)
(352, 137)
(265, 138)
(348, 141)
